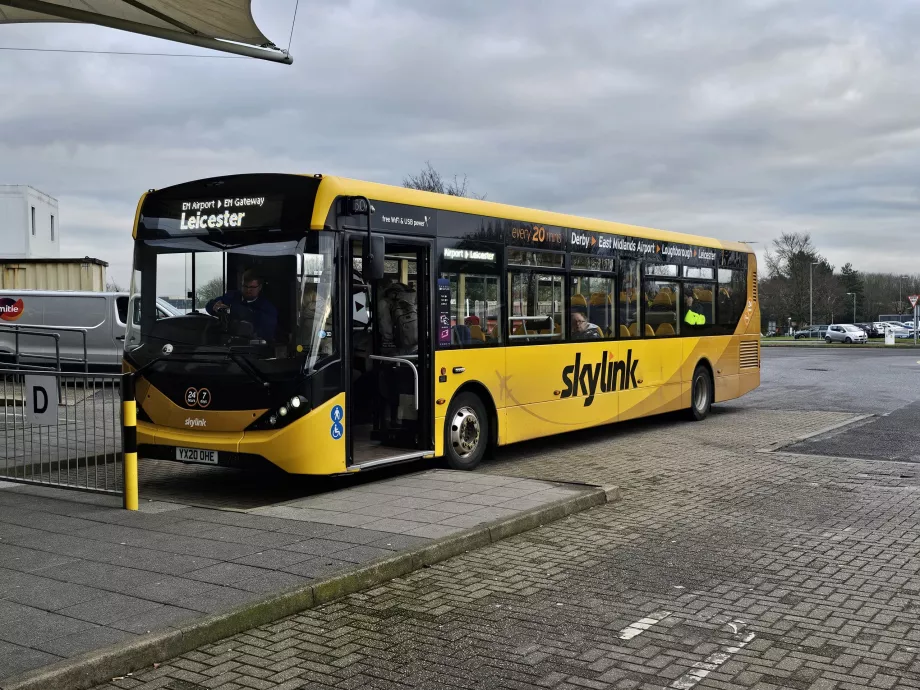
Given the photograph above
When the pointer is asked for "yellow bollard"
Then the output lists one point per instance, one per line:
(129, 440)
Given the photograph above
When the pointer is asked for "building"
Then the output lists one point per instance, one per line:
(30, 246)
(53, 274)
(29, 223)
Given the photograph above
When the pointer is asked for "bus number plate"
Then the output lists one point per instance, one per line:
(209, 457)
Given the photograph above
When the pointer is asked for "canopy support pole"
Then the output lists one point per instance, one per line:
(156, 32)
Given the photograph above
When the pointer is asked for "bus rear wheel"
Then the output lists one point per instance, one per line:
(700, 394)
(466, 432)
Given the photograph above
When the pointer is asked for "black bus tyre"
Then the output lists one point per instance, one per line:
(466, 432)
(700, 394)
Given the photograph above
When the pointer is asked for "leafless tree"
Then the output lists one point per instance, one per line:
(430, 180)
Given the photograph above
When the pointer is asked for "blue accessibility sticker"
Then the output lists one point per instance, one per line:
(337, 431)
(337, 413)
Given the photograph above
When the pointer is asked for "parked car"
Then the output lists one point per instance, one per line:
(103, 314)
(870, 330)
(845, 333)
(811, 332)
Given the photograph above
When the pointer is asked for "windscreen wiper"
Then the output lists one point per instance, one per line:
(240, 361)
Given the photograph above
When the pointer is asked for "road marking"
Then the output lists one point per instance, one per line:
(630, 631)
(701, 669)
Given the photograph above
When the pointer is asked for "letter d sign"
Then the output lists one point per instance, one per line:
(41, 400)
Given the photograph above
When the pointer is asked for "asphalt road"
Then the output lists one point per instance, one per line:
(858, 380)
(883, 383)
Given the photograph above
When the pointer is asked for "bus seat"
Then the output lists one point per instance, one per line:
(649, 333)
(599, 298)
(624, 332)
(578, 300)
(665, 329)
(476, 333)
(634, 329)
(461, 335)
(662, 299)
(705, 296)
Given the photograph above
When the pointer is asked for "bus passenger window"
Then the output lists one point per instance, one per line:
(662, 300)
(732, 297)
(474, 309)
(591, 300)
(628, 310)
(698, 307)
(535, 307)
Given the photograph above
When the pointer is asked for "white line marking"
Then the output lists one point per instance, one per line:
(630, 631)
(701, 669)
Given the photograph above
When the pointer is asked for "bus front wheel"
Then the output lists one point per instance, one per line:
(466, 432)
(700, 394)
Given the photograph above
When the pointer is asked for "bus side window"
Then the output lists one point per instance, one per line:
(474, 306)
(535, 307)
(629, 312)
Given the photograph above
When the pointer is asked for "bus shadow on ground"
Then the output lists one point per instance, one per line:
(237, 489)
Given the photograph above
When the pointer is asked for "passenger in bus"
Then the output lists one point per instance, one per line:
(581, 327)
(249, 305)
(692, 317)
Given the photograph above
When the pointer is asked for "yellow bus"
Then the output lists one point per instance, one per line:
(338, 325)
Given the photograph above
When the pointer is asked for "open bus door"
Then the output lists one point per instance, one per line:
(390, 387)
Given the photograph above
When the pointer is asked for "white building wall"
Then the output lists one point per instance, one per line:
(19, 238)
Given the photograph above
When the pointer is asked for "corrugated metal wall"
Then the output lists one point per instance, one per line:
(52, 276)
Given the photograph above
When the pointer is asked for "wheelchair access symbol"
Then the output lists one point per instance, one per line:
(337, 431)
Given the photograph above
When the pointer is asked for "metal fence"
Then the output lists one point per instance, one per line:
(62, 429)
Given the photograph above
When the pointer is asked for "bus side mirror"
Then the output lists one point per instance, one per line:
(374, 251)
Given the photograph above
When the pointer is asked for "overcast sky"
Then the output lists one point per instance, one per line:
(738, 119)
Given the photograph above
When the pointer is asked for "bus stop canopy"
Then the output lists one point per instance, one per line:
(225, 25)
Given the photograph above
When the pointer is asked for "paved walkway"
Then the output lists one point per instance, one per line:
(78, 573)
(722, 567)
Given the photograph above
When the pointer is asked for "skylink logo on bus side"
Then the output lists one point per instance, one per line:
(611, 376)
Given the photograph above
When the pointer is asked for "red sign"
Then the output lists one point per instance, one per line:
(913, 299)
(10, 310)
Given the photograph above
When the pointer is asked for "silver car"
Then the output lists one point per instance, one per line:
(845, 333)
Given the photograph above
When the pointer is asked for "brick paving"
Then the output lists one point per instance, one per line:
(762, 570)
(78, 573)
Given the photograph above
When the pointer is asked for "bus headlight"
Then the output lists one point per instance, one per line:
(289, 411)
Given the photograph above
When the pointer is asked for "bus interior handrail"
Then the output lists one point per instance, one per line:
(404, 362)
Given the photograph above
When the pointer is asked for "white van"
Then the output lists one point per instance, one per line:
(102, 314)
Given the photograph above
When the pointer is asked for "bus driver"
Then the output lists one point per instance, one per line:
(264, 316)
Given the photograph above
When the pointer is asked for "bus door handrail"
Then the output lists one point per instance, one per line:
(404, 362)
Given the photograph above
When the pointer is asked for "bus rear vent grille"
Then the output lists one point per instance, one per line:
(750, 354)
(754, 287)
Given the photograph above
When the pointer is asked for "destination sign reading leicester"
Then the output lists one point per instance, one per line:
(212, 215)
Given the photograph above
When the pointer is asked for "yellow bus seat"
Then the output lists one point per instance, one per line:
(578, 300)
(624, 332)
(662, 299)
(634, 329)
(665, 329)
(649, 333)
(477, 334)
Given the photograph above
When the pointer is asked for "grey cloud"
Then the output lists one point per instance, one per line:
(739, 119)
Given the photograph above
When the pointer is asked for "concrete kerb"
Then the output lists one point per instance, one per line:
(856, 419)
(100, 666)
